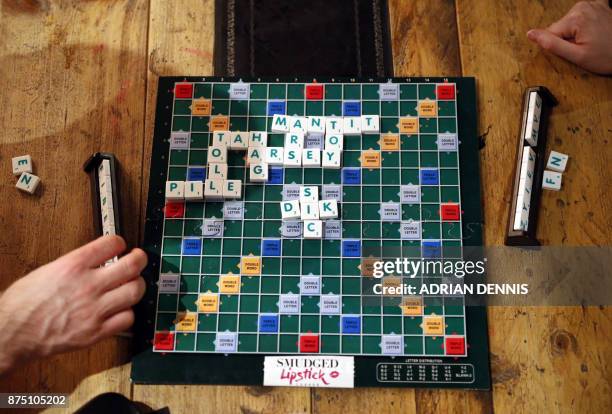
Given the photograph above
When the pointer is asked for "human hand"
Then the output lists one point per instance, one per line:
(583, 36)
(71, 302)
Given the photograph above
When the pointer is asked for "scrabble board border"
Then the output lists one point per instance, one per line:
(150, 367)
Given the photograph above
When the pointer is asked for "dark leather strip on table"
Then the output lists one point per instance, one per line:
(302, 38)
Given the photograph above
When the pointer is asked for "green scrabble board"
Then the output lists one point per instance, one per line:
(230, 281)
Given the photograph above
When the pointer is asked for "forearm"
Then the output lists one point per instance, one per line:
(10, 350)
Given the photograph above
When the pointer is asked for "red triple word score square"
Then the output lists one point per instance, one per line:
(309, 343)
(449, 211)
(314, 92)
(183, 90)
(163, 341)
(174, 209)
(455, 346)
(445, 92)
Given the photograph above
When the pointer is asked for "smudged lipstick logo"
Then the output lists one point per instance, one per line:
(296, 371)
(315, 371)
(295, 377)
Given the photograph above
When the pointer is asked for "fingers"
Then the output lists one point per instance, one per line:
(126, 269)
(122, 298)
(97, 252)
(119, 322)
(554, 44)
(564, 27)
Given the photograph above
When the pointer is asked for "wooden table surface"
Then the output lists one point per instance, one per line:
(81, 76)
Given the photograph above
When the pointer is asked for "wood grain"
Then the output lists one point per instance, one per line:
(116, 379)
(420, 46)
(372, 400)
(71, 83)
(224, 399)
(543, 359)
